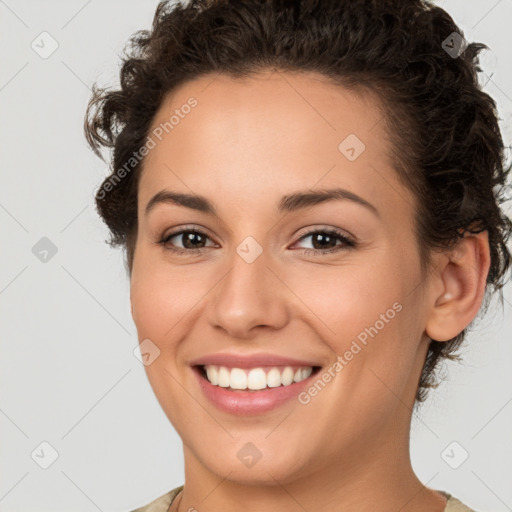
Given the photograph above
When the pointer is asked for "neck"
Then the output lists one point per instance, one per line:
(378, 479)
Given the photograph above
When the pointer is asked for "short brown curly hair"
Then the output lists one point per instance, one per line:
(446, 141)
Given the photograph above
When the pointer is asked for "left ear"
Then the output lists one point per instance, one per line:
(460, 287)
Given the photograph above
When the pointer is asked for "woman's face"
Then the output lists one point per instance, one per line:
(268, 275)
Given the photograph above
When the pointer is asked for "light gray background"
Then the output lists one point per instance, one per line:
(68, 373)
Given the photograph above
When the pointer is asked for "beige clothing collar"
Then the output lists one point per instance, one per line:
(162, 503)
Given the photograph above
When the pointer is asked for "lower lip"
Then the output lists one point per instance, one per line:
(244, 403)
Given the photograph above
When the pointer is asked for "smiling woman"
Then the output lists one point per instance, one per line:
(312, 226)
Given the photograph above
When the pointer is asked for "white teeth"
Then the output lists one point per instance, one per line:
(287, 376)
(223, 377)
(213, 375)
(237, 379)
(255, 378)
(306, 372)
(273, 378)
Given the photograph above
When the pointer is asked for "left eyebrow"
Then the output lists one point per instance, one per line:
(305, 199)
(289, 203)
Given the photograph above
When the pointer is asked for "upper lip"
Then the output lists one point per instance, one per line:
(249, 361)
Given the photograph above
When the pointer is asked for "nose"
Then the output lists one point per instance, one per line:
(249, 296)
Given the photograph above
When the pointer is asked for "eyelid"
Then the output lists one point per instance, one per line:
(185, 227)
(311, 230)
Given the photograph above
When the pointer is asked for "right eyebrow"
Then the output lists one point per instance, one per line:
(192, 201)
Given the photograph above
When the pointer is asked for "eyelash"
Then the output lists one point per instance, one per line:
(347, 242)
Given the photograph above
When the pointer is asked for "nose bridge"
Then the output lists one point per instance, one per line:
(249, 295)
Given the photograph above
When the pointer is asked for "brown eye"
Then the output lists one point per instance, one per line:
(325, 241)
(191, 239)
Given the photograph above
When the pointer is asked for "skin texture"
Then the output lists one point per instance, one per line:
(247, 143)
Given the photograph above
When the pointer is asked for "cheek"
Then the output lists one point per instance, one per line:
(161, 297)
(346, 299)
(161, 301)
(366, 315)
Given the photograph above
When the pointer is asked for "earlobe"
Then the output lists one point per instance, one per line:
(463, 279)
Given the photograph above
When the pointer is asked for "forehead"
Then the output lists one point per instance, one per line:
(274, 129)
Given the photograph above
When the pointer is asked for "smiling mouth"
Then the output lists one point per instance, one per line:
(254, 379)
